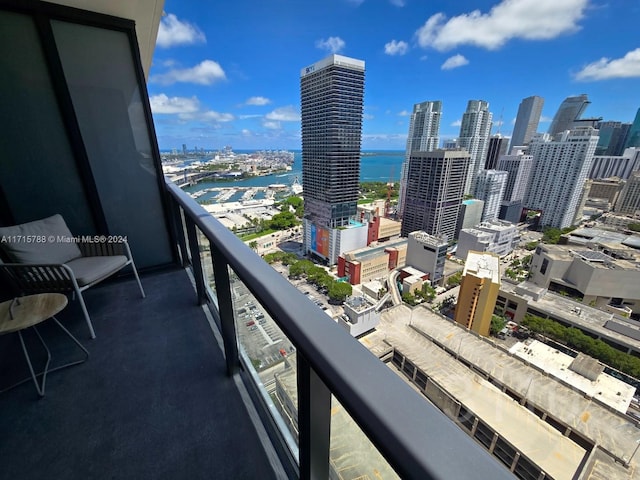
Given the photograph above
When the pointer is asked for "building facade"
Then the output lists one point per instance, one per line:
(490, 187)
(474, 137)
(435, 188)
(424, 136)
(527, 120)
(612, 138)
(495, 237)
(497, 147)
(332, 96)
(633, 136)
(470, 214)
(478, 292)
(519, 167)
(427, 253)
(614, 166)
(560, 170)
(628, 203)
(570, 110)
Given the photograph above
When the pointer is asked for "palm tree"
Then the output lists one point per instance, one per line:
(253, 245)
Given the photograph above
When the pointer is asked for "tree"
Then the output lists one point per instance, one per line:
(454, 279)
(409, 298)
(339, 291)
(634, 227)
(498, 322)
(531, 245)
(283, 220)
(253, 245)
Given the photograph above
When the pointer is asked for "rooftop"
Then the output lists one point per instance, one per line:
(484, 265)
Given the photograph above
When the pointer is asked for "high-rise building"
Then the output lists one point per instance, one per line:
(519, 167)
(478, 291)
(424, 136)
(474, 137)
(633, 137)
(435, 187)
(490, 186)
(527, 120)
(560, 169)
(612, 138)
(571, 109)
(497, 146)
(332, 94)
(629, 200)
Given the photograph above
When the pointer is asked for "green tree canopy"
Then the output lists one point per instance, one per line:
(339, 291)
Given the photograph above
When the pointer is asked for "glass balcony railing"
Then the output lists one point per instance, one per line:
(327, 399)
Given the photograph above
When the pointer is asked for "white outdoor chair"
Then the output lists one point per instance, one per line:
(45, 258)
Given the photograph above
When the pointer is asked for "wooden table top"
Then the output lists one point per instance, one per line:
(32, 310)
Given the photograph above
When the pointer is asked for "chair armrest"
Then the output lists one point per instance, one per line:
(106, 248)
(40, 278)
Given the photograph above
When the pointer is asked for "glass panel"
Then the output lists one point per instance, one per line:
(38, 170)
(207, 264)
(352, 455)
(269, 357)
(101, 75)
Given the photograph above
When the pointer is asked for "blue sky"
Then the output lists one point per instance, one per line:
(228, 73)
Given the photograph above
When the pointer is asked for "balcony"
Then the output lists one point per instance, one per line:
(180, 384)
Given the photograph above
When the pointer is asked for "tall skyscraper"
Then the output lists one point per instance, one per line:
(478, 291)
(527, 120)
(616, 166)
(519, 167)
(612, 138)
(474, 137)
(490, 186)
(570, 110)
(497, 146)
(629, 200)
(424, 136)
(633, 137)
(435, 188)
(560, 169)
(332, 94)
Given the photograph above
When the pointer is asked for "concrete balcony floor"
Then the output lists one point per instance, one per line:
(152, 401)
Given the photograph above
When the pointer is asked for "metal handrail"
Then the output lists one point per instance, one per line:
(415, 438)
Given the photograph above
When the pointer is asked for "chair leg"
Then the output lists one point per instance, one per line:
(39, 388)
(135, 272)
(86, 315)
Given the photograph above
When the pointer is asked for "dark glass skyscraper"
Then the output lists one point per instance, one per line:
(332, 95)
(527, 120)
(633, 137)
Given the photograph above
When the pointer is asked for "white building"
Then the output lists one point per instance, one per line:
(474, 137)
(427, 253)
(490, 186)
(360, 316)
(519, 167)
(424, 136)
(494, 237)
(611, 166)
(560, 169)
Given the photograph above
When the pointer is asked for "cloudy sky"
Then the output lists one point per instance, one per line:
(228, 73)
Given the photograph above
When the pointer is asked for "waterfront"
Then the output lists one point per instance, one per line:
(378, 166)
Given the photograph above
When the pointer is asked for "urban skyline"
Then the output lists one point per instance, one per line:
(225, 80)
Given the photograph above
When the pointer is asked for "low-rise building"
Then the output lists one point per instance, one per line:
(496, 236)
(374, 261)
(360, 315)
(588, 275)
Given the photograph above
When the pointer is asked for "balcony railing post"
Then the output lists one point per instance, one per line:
(196, 261)
(178, 230)
(225, 307)
(314, 422)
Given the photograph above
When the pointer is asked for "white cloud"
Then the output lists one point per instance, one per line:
(404, 113)
(457, 123)
(173, 31)
(509, 19)
(245, 132)
(544, 119)
(396, 48)
(284, 114)
(259, 101)
(454, 62)
(271, 125)
(186, 109)
(367, 116)
(332, 44)
(172, 105)
(398, 3)
(205, 73)
(605, 68)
